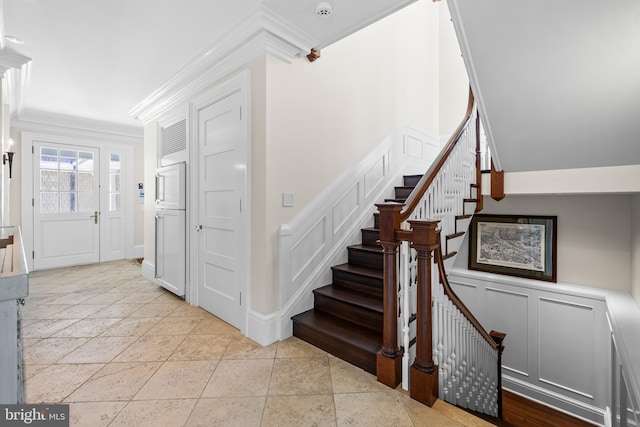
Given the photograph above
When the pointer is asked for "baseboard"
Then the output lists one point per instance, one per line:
(556, 401)
(263, 328)
(149, 271)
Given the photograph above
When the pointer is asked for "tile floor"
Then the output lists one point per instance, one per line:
(125, 352)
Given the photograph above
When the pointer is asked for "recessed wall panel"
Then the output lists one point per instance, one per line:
(306, 250)
(414, 147)
(508, 312)
(345, 208)
(373, 177)
(567, 333)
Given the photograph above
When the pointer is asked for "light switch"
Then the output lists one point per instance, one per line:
(287, 200)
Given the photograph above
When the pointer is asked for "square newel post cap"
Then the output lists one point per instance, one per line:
(425, 233)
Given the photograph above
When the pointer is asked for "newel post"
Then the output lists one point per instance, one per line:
(389, 358)
(498, 338)
(423, 375)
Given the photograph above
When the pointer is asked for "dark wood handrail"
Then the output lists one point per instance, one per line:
(458, 302)
(425, 182)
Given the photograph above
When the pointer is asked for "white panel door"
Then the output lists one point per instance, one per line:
(222, 253)
(170, 250)
(66, 205)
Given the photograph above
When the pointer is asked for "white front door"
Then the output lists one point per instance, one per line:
(222, 248)
(66, 205)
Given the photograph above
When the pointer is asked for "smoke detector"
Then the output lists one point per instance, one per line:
(324, 9)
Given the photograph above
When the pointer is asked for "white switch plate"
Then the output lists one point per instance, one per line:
(287, 200)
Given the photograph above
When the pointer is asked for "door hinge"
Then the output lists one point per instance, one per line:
(240, 298)
(240, 113)
(33, 254)
(33, 202)
(240, 205)
(33, 150)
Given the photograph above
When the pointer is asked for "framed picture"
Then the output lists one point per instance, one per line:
(516, 245)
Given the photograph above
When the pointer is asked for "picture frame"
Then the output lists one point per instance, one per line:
(515, 245)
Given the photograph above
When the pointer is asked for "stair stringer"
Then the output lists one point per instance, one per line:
(314, 241)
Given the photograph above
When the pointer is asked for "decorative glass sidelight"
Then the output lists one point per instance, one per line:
(115, 170)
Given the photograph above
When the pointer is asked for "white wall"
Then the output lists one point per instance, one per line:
(635, 247)
(324, 116)
(594, 235)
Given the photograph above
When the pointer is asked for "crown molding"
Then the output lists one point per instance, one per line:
(260, 31)
(61, 124)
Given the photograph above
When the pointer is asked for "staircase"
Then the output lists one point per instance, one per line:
(346, 319)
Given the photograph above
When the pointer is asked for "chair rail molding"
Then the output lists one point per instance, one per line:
(317, 237)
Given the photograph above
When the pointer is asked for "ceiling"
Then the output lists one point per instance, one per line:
(558, 81)
(93, 61)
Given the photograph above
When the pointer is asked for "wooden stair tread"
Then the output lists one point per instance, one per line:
(466, 216)
(341, 330)
(369, 248)
(470, 200)
(370, 302)
(449, 255)
(455, 235)
(359, 270)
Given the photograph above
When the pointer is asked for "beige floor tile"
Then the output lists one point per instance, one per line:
(301, 376)
(294, 347)
(46, 328)
(244, 348)
(174, 326)
(117, 311)
(94, 414)
(227, 412)
(240, 378)
(153, 310)
(294, 411)
(79, 311)
(154, 413)
(75, 298)
(30, 370)
(185, 310)
(86, 328)
(368, 409)
(201, 347)
(43, 311)
(116, 381)
(169, 298)
(98, 350)
(423, 416)
(55, 382)
(178, 380)
(150, 349)
(49, 350)
(131, 327)
(215, 326)
(140, 298)
(106, 298)
(347, 378)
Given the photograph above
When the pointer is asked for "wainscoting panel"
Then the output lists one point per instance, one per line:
(513, 316)
(307, 249)
(346, 208)
(566, 332)
(374, 176)
(557, 347)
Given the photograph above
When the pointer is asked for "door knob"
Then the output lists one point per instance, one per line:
(95, 217)
(198, 227)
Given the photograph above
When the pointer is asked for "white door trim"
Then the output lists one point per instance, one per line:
(239, 82)
(26, 163)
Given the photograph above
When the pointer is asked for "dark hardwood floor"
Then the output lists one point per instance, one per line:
(520, 412)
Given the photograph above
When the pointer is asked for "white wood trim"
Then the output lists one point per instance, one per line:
(75, 126)
(138, 251)
(28, 192)
(314, 229)
(260, 31)
(149, 271)
(263, 328)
